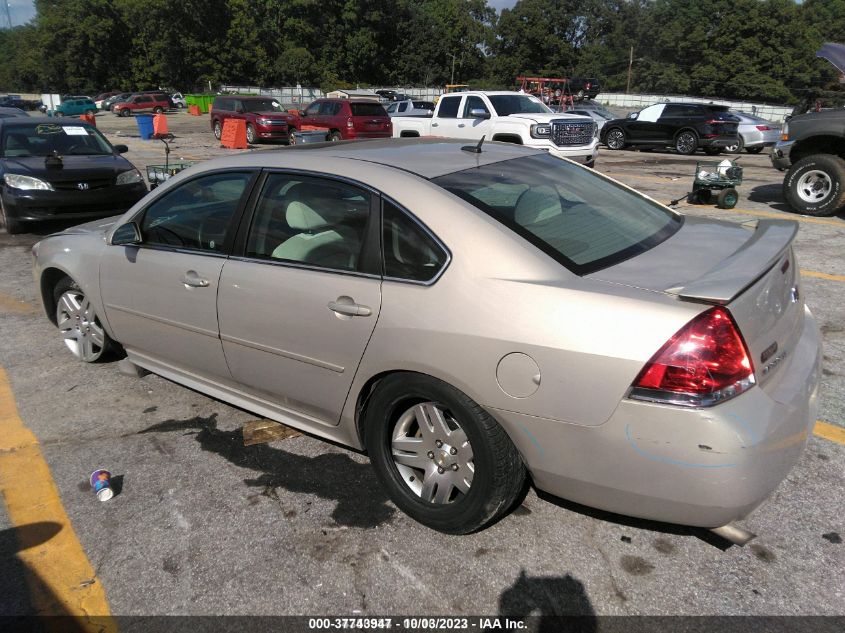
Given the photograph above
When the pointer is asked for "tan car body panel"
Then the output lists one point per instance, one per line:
(549, 354)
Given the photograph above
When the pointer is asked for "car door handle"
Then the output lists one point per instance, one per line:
(349, 309)
(460, 125)
(434, 125)
(192, 279)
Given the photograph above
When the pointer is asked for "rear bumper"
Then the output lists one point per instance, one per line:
(703, 467)
(717, 141)
(44, 205)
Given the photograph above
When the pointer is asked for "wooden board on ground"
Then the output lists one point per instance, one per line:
(263, 431)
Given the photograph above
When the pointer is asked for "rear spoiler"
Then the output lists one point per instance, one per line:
(744, 267)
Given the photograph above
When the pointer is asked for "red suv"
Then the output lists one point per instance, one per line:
(349, 118)
(265, 119)
(156, 103)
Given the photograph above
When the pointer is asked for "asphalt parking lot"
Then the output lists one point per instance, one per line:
(204, 525)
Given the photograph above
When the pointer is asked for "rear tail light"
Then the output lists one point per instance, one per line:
(763, 128)
(715, 122)
(704, 363)
(350, 122)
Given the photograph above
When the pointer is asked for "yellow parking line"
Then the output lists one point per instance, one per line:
(829, 431)
(813, 273)
(61, 580)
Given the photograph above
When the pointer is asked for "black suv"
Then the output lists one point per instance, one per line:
(684, 126)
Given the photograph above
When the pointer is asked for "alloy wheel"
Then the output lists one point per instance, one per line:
(432, 453)
(79, 326)
(615, 139)
(685, 144)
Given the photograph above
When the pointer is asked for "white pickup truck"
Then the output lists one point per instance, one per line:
(512, 117)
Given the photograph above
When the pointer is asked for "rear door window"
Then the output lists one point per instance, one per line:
(367, 109)
(410, 252)
(449, 107)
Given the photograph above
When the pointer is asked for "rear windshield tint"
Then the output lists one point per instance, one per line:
(367, 109)
(580, 219)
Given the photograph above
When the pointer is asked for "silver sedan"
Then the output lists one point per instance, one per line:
(755, 134)
(475, 320)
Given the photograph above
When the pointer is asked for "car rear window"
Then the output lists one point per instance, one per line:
(261, 105)
(575, 216)
(367, 109)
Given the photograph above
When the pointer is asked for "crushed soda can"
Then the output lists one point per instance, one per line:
(101, 483)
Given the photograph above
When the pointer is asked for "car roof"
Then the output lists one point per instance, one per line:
(425, 157)
(29, 121)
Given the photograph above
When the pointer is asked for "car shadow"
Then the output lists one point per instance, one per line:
(553, 604)
(361, 502)
(641, 524)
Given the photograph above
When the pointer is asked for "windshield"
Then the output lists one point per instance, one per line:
(262, 105)
(517, 104)
(578, 218)
(43, 139)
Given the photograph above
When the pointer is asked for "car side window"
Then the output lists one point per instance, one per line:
(410, 253)
(196, 214)
(313, 109)
(312, 221)
(449, 107)
(403, 107)
(327, 108)
(474, 103)
(391, 108)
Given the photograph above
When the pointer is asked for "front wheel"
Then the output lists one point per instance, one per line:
(686, 143)
(442, 458)
(615, 139)
(250, 134)
(291, 136)
(58, 113)
(79, 324)
(91, 112)
(815, 185)
(158, 110)
(12, 225)
(125, 112)
(218, 130)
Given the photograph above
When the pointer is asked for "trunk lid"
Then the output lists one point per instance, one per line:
(752, 272)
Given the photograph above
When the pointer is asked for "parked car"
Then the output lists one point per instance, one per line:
(140, 103)
(62, 169)
(584, 87)
(111, 101)
(348, 118)
(684, 126)
(410, 108)
(74, 107)
(264, 116)
(21, 104)
(178, 100)
(510, 117)
(755, 134)
(392, 95)
(101, 98)
(160, 95)
(360, 303)
(6, 113)
(597, 113)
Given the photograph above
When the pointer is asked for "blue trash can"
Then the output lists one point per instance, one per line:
(145, 125)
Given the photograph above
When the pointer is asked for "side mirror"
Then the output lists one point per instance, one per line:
(633, 115)
(478, 113)
(126, 235)
(121, 149)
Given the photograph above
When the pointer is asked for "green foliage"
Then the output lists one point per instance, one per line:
(744, 49)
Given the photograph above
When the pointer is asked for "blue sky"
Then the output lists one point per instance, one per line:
(23, 10)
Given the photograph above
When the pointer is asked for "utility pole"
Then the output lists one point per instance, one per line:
(8, 13)
(453, 69)
(630, 64)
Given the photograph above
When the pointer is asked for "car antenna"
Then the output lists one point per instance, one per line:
(474, 149)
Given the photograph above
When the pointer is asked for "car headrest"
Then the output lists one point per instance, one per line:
(302, 217)
(537, 204)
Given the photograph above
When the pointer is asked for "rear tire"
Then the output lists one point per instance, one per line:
(475, 474)
(737, 147)
(334, 136)
(815, 185)
(125, 112)
(686, 143)
(158, 110)
(291, 136)
(58, 113)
